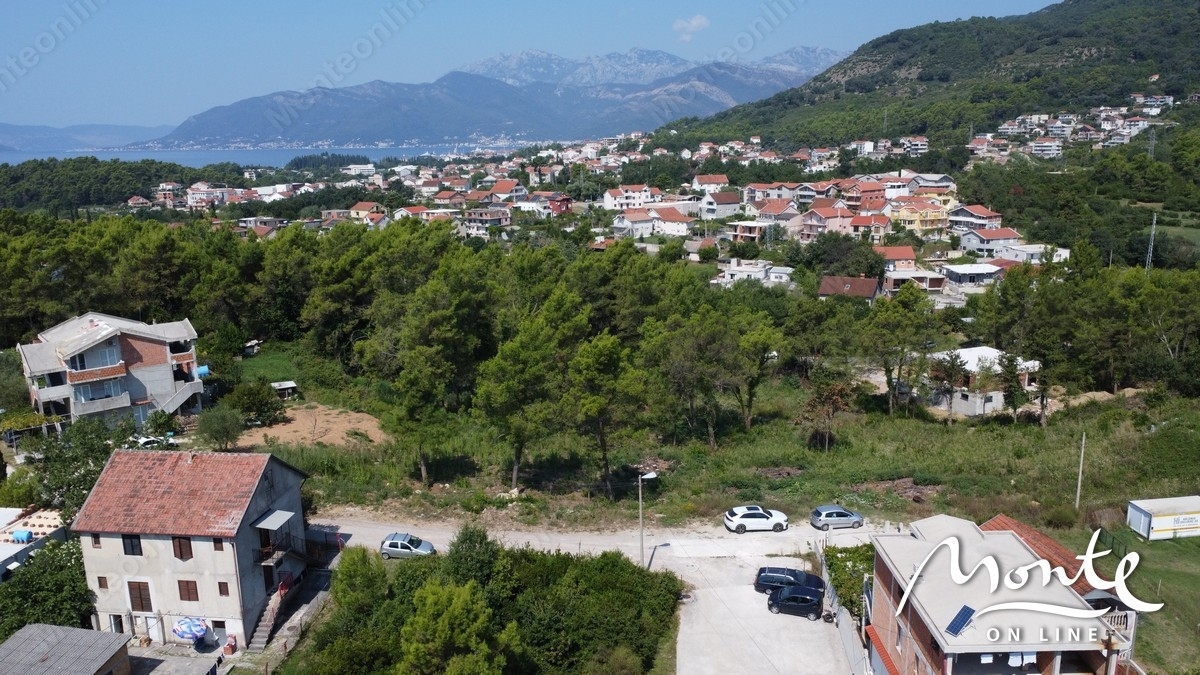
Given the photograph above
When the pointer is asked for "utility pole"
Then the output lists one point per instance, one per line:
(1079, 482)
(1150, 248)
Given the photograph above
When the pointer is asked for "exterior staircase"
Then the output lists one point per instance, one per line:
(266, 624)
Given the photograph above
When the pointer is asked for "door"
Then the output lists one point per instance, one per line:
(218, 631)
(117, 623)
(268, 578)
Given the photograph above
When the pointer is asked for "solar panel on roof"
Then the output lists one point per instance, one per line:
(960, 620)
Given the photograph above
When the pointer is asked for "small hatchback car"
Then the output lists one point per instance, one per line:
(399, 545)
(833, 516)
(798, 600)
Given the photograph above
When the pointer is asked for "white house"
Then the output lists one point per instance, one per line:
(719, 205)
(979, 393)
(988, 243)
(1034, 254)
(211, 535)
(710, 182)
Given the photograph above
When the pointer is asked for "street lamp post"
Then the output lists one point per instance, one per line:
(641, 522)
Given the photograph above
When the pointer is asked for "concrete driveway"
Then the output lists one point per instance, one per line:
(724, 624)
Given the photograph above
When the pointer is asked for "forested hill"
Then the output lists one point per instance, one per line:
(947, 77)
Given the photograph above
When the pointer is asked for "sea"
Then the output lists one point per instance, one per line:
(250, 157)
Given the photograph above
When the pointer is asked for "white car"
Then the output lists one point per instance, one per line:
(751, 517)
(151, 442)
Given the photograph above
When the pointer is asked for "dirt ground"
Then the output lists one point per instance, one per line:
(315, 423)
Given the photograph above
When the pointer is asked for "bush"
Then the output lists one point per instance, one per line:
(1061, 517)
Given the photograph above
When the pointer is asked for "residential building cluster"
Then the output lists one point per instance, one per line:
(1045, 135)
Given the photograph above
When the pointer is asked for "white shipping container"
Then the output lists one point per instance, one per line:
(1166, 518)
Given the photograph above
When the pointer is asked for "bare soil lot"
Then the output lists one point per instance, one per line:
(315, 423)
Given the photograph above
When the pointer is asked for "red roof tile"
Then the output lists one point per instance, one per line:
(156, 492)
(881, 649)
(858, 287)
(896, 252)
(1046, 548)
(998, 233)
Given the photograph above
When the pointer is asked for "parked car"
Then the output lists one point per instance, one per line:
(752, 517)
(798, 600)
(150, 442)
(834, 516)
(770, 578)
(403, 545)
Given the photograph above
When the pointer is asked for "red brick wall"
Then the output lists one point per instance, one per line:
(75, 377)
(139, 352)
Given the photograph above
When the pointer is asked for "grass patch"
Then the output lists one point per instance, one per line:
(1167, 573)
(274, 363)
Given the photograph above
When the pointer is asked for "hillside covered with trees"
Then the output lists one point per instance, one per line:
(943, 78)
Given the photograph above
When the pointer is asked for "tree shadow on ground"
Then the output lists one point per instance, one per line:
(553, 474)
(448, 468)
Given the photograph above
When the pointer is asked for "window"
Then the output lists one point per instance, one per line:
(95, 540)
(182, 547)
(188, 592)
(223, 588)
(218, 544)
(139, 596)
(102, 583)
(77, 362)
(132, 544)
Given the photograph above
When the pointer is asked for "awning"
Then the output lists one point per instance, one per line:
(273, 520)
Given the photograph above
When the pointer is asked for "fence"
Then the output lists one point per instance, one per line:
(1119, 548)
(845, 623)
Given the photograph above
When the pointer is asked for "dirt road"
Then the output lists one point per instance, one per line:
(724, 624)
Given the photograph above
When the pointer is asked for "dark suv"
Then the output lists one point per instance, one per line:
(770, 578)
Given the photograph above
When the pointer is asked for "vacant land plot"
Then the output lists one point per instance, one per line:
(311, 423)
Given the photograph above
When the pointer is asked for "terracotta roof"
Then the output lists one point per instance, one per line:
(833, 213)
(672, 215)
(981, 211)
(1005, 263)
(1045, 547)
(858, 287)
(712, 179)
(896, 252)
(998, 233)
(872, 219)
(881, 648)
(365, 206)
(157, 492)
(775, 206)
(824, 202)
(725, 197)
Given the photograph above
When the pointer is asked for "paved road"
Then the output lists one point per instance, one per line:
(724, 626)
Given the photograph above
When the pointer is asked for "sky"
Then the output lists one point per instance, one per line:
(147, 63)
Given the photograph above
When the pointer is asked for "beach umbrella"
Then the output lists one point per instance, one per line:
(189, 628)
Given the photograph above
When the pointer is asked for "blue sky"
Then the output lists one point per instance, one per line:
(146, 63)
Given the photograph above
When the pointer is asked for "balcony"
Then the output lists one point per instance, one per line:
(281, 545)
(100, 405)
(93, 374)
(42, 394)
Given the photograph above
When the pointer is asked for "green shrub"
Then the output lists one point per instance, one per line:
(847, 565)
(1061, 517)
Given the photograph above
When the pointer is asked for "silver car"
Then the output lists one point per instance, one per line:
(401, 545)
(832, 516)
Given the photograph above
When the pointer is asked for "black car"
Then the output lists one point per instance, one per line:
(770, 578)
(798, 600)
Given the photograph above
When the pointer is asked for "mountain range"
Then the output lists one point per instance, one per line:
(30, 138)
(531, 96)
